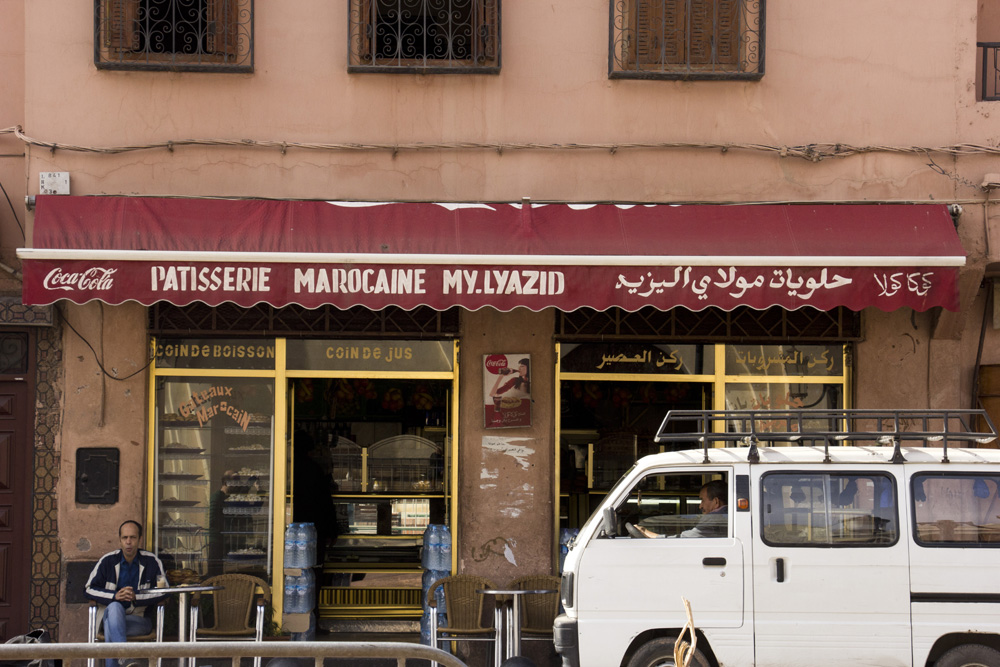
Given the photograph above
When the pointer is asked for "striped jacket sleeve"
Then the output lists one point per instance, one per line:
(151, 568)
(102, 582)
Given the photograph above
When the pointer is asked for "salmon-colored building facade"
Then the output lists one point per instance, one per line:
(847, 122)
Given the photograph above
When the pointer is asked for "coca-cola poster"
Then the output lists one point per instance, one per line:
(507, 390)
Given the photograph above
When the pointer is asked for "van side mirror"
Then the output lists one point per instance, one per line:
(609, 522)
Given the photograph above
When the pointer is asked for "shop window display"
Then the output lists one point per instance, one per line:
(213, 475)
(613, 397)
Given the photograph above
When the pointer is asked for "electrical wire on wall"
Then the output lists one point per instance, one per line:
(814, 152)
(98, 358)
(13, 211)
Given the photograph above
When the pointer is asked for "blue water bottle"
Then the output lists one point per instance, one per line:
(291, 596)
(310, 555)
(425, 628)
(290, 545)
(301, 559)
(431, 540)
(444, 549)
(306, 590)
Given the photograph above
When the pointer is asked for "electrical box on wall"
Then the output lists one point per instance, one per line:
(53, 183)
(97, 475)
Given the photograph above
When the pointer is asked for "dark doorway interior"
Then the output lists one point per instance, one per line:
(15, 507)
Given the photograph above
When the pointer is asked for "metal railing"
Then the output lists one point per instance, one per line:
(989, 77)
(796, 425)
(318, 651)
(826, 427)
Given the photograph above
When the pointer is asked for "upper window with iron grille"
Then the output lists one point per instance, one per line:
(174, 35)
(427, 36)
(687, 39)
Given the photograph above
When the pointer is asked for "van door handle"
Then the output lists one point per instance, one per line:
(779, 564)
(713, 562)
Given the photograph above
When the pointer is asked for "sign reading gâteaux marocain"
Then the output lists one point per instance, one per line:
(475, 286)
(216, 400)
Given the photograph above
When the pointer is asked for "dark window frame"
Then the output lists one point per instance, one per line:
(686, 39)
(711, 325)
(988, 87)
(129, 34)
(472, 49)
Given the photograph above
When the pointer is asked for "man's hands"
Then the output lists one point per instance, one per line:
(125, 595)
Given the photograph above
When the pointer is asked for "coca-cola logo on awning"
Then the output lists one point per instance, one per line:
(93, 279)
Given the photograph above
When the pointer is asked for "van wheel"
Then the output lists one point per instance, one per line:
(660, 653)
(970, 655)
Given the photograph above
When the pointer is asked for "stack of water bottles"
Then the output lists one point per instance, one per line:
(436, 561)
(300, 587)
(300, 545)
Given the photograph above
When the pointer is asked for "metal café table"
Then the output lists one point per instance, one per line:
(507, 622)
(183, 594)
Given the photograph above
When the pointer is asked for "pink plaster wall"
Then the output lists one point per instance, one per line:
(505, 492)
(835, 73)
(12, 164)
(101, 412)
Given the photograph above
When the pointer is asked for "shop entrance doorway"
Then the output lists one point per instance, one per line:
(608, 425)
(613, 396)
(15, 506)
(369, 465)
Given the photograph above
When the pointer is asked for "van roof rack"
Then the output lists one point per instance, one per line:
(803, 426)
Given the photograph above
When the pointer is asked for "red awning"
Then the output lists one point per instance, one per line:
(566, 256)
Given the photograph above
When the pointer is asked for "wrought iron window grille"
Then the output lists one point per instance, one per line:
(296, 321)
(424, 36)
(989, 76)
(686, 39)
(174, 35)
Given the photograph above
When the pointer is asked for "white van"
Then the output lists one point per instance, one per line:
(822, 554)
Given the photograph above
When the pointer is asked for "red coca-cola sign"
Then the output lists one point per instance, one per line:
(93, 279)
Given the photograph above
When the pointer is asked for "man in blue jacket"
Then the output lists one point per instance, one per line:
(125, 582)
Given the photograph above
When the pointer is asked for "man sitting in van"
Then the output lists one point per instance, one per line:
(714, 520)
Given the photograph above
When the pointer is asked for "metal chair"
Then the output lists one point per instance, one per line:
(95, 634)
(232, 608)
(538, 612)
(464, 608)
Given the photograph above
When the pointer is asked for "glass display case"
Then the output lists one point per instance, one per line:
(213, 476)
(387, 493)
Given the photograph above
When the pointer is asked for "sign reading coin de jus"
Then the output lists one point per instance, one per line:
(507, 390)
(371, 355)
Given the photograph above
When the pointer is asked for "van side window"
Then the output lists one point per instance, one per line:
(829, 509)
(677, 505)
(952, 510)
